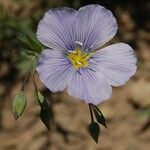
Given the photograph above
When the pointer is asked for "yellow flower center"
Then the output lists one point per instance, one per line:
(79, 59)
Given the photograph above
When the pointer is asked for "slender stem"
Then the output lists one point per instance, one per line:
(34, 83)
(90, 108)
(25, 80)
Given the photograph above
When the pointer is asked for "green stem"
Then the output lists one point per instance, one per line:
(35, 85)
(25, 80)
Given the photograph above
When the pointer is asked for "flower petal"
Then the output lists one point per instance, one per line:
(54, 70)
(56, 29)
(89, 87)
(95, 25)
(117, 62)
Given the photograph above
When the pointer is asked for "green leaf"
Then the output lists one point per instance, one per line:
(30, 44)
(94, 131)
(99, 116)
(45, 114)
(31, 53)
(23, 63)
(19, 104)
(25, 44)
(36, 46)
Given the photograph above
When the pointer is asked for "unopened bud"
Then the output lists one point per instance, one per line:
(19, 104)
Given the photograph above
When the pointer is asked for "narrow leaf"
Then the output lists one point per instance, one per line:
(19, 104)
(31, 53)
(36, 46)
(25, 44)
(94, 131)
(100, 119)
(99, 116)
(30, 44)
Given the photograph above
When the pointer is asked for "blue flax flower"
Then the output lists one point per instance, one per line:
(74, 59)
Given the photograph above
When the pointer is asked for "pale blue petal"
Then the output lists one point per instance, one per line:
(56, 29)
(90, 87)
(54, 70)
(116, 62)
(95, 25)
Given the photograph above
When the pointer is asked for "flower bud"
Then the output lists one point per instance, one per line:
(19, 104)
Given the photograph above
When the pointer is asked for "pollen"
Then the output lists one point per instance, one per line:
(79, 59)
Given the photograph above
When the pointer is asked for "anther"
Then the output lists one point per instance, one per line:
(79, 43)
(74, 52)
(79, 63)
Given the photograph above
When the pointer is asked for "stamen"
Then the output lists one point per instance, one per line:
(79, 58)
(79, 63)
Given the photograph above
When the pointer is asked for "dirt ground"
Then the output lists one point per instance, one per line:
(126, 127)
(127, 112)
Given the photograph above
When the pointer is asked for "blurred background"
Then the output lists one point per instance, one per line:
(127, 112)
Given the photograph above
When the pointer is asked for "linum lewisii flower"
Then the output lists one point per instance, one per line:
(74, 59)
